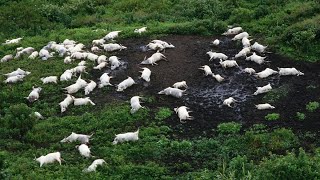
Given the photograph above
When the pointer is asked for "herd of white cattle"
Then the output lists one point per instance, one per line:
(71, 51)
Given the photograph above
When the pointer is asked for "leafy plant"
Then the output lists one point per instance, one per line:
(229, 128)
(272, 117)
(276, 94)
(163, 113)
(312, 106)
(18, 120)
(300, 116)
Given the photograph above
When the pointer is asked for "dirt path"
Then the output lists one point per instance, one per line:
(205, 95)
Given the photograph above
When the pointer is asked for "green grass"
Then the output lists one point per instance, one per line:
(287, 27)
(236, 151)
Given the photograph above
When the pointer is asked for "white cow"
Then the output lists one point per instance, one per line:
(215, 55)
(105, 80)
(34, 94)
(49, 158)
(180, 84)
(94, 165)
(125, 84)
(289, 71)
(263, 89)
(89, 88)
(82, 101)
(183, 113)
(129, 136)
(229, 101)
(265, 73)
(66, 102)
(84, 150)
(82, 138)
(146, 73)
(175, 92)
(135, 104)
(140, 30)
(264, 106)
(49, 79)
(154, 59)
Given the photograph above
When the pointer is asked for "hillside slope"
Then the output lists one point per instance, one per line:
(219, 143)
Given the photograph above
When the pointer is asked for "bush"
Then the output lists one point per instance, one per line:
(18, 120)
(277, 94)
(2, 158)
(301, 116)
(229, 128)
(312, 106)
(290, 166)
(272, 117)
(163, 113)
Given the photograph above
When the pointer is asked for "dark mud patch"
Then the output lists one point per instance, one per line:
(205, 95)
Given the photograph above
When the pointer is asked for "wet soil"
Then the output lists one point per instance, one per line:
(204, 94)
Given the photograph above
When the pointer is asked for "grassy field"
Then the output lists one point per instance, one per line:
(290, 28)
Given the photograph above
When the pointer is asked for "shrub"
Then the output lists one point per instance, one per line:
(290, 166)
(3, 156)
(229, 128)
(301, 116)
(17, 120)
(272, 117)
(276, 94)
(312, 106)
(163, 113)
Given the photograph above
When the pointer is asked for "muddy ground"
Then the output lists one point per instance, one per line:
(205, 95)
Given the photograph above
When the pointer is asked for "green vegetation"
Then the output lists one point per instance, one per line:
(289, 27)
(272, 117)
(236, 151)
(229, 128)
(312, 106)
(276, 94)
(163, 113)
(301, 116)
